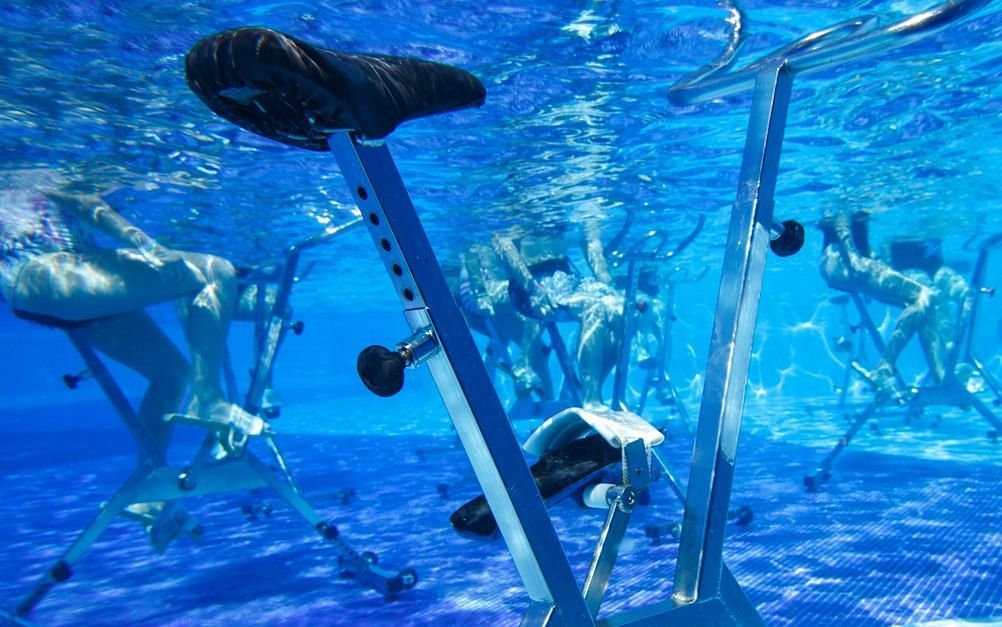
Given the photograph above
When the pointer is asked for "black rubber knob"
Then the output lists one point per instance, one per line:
(381, 370)
(61, 572)
(790, 241)
(743, 516)
(329, 532)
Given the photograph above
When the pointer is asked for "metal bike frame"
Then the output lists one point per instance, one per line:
(698, 571)
(154, 480)
(635, 258)
(704, 591)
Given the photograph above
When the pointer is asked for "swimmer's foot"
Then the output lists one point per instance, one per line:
(164, 522)
(883, 381)
(234, 416)
(664, 392)
(527, 382)
(231, 423)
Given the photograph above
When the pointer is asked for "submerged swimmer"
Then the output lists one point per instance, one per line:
(848, 263)
(543, 282)
(52, 271)
(483, 292)
(922, 260)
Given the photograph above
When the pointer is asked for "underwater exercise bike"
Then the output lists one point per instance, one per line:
(644, 259)
(224, 462)
(534, 402)
(322, 100)
(953, 390)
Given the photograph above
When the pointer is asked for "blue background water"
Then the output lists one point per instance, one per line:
(576, 126)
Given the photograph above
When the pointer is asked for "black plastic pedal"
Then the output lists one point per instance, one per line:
(558, 474)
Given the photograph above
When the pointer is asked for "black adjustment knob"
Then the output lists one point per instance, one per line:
(790, 241)
(186, 481)
(742, 516)
(61, 572)
(73, 380)
(659, 533)
(381, 370)
(297, 327)
(329, 532)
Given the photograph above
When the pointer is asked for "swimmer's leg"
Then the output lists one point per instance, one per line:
(499, 320)
(250, 300)
(136, 342)
(935, 348)
(914, 317)
(538, 355)
(205, 317)
(83, 286)
(597, 350)
(73, 286)
(612, 343)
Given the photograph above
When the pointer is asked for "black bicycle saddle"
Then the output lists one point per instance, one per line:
(299, 94)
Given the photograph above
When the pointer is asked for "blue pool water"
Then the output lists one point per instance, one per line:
(576, 128)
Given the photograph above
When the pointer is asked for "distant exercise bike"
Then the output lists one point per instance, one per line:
(961, 366)
(644, 260)
(500, 314)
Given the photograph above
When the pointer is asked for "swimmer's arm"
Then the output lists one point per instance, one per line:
(595, 254)
(468, 271)
(512, 261)
(844, 234)
(96, 212)
(488, 264)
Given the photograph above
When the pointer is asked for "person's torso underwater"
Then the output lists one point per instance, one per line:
(31, 224)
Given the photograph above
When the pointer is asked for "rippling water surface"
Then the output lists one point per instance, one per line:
(576, 122)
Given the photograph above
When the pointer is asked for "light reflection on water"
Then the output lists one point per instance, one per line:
(576, 127)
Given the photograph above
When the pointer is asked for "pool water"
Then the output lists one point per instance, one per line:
(576, 129)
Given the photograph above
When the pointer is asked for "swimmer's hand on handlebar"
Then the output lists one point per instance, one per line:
(148, 248)
(474, 302)
(540, 301)
(99, 213)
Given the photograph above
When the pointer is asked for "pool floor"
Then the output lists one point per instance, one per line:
(890, 540)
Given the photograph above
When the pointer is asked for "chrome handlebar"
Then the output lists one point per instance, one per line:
(820, 49)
